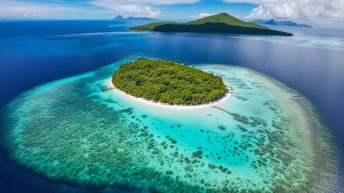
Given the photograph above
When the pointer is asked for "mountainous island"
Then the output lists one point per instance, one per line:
(282, 23)
(168, 82)
(220, 23)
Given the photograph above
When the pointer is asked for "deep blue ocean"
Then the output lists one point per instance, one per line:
(36, 52)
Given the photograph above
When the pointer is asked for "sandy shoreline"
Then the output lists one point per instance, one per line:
(163, 105)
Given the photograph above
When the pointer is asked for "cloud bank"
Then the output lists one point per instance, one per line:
(78, 9)
(297, 9)
(30, 10)
(201, 15)
(143, 8)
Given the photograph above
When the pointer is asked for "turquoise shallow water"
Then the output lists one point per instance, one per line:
(264, 138)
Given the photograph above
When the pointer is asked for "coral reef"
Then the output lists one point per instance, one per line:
(264, 139)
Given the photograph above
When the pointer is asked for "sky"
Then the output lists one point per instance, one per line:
(313, 10)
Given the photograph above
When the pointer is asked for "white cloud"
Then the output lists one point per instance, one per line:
(153, 2)
(90, 9)
(201, 15)
(23, 10)
(127, 9)
(143, 8)
(297, 9)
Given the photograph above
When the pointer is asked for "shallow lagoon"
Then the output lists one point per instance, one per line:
(266, 137)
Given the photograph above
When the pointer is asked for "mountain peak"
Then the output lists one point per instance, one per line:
(280, 22)
(119, 17)
(271, 22)
(225, 18)
(223, 14)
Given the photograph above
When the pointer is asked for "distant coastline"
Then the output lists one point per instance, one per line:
(280, 23)
(130, 18)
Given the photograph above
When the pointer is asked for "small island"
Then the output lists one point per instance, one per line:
(168, 82)
(280, 23)
(220, 23)
(130, 18)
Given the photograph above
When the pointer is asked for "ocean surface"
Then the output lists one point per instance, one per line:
(39, 52)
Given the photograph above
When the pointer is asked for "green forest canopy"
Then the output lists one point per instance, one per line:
(168, 82)
(220, 23)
